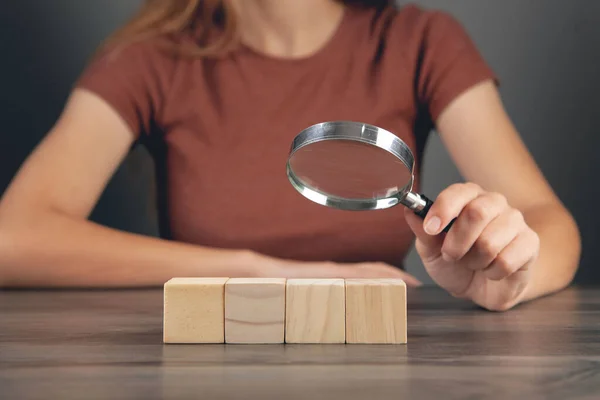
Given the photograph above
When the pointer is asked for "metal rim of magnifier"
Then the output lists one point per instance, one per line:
(359, 132)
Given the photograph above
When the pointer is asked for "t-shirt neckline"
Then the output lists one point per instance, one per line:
(326, 51)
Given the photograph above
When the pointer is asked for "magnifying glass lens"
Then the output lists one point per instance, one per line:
(349, 169)
(354, 166)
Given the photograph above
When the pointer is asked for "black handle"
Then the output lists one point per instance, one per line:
(423, 212)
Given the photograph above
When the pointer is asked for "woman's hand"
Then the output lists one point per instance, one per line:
(272, 267)
(486, 255)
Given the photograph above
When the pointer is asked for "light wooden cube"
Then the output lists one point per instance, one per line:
(376, 311)
(194, 310)
(255, 310)
(315, 311)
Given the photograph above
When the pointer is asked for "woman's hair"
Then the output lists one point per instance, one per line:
(168, 19)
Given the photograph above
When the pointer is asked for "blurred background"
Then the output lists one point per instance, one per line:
(546, 53)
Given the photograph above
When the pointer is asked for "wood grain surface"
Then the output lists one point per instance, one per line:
(315, 311)
(108, 345)
(375, 311)
(255, 310)
(194, 310)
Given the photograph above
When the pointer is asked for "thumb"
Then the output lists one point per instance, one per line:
(428, 246)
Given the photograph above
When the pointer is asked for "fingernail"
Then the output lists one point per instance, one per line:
(433, 225)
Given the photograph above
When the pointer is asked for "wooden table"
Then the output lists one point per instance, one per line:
(107, 344)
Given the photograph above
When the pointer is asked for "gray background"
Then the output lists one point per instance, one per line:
(547, 54)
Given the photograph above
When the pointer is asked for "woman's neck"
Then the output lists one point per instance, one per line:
(288, 28)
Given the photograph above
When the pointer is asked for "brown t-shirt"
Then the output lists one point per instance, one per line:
(221, 129)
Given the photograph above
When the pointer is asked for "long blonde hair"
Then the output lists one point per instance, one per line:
(170, 18)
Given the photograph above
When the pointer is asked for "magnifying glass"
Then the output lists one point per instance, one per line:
(354, 166)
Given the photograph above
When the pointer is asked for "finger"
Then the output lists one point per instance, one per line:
(409, 279)
(518, 255)
(313, 270)
(498, 234)
(382, 270)
(448, 205)
(429, 247)
(415, 223)
(470, 224)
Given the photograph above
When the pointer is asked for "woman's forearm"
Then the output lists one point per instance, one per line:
(60, 251)
(559, 252)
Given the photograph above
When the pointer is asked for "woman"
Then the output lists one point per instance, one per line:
(218, 89)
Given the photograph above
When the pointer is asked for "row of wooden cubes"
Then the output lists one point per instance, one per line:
(274, 310)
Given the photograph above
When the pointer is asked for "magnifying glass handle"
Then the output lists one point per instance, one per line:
(423, 211)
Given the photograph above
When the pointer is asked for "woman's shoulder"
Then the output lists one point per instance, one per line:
(132, 77)
(433, 46)
(136, 63)
(147, 52)
(415, 14)
(411, 23)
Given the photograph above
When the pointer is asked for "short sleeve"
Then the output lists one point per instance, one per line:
(450, 63)
(132, 80)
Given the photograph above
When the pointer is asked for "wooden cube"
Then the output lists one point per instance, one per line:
(194, 310)
(255, 310)
(376, 311)
(315, 311)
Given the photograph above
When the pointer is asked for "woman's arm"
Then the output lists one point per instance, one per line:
(487, 149)
(45, 238)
